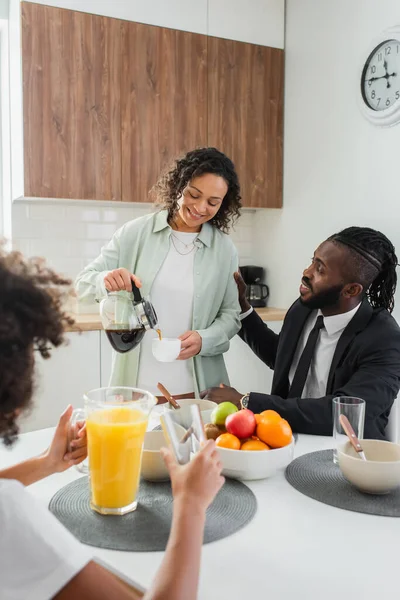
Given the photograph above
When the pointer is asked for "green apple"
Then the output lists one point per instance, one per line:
(222, 412)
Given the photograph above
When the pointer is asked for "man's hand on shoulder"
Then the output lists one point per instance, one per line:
(241, 286)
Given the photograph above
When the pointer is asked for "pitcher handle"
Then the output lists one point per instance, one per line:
(78, 416)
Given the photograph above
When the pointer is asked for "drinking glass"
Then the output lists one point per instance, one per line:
(354, 410)
(116, 422)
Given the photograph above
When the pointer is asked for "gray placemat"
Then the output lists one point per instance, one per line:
(147, 528)
(316, 476)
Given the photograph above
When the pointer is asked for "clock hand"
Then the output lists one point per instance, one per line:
(386, 76)
(376, 78)
(388, 84)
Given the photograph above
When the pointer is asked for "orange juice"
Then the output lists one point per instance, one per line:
(115, 443)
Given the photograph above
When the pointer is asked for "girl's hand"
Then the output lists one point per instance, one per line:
(58, 457)
(196, 484)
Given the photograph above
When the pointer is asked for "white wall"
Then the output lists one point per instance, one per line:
(70, 234)
(4, 7)
(338, 169)
(254, 21)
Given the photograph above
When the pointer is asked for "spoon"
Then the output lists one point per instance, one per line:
(168, 396)
(349, 431)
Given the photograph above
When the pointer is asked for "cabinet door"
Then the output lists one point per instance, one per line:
(163, 102)
(63, 378)
(245, 115)
(71, 90)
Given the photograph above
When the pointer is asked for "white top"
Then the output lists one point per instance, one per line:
(38, 556)
(317, 379)
(172, 296)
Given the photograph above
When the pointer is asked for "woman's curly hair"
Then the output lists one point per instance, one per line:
(31, 318)
(195, 163)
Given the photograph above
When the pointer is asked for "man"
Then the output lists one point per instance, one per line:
(337, 339)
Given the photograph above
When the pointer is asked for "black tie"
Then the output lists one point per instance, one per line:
(300, 376)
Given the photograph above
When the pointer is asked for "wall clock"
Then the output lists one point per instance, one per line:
(379, 91)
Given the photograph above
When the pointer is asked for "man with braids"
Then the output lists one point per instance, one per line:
(338, 338)
(39, 559)
(183, 257)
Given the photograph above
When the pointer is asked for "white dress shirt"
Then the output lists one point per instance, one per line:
(317, 378)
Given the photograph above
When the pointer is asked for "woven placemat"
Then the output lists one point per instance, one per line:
(147, 528)
(316, 476)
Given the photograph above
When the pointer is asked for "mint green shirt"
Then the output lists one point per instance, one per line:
(141, 246)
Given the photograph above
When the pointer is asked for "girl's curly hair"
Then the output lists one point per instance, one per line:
(31, 318)
(195, 163)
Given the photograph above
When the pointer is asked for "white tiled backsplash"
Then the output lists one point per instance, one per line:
(70, 234)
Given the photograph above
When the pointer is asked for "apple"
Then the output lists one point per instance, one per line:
(221, 412)
(242, 424)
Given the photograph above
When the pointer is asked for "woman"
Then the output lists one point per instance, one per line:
(183, 257)
(39, 558)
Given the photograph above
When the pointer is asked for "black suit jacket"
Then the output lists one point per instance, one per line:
(366, 364)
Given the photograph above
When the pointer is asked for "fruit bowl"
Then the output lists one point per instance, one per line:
(259, 464)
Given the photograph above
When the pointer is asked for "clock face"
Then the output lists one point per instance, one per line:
(380, 81)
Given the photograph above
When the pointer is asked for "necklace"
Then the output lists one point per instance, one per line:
(188, 247)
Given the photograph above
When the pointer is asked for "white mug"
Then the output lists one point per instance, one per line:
(166, 349)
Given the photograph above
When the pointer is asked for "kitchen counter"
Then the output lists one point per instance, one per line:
(91, 322)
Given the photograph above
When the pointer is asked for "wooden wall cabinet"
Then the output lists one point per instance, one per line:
(163, 102)
(71, 64)
(109, 103)
(245, 115)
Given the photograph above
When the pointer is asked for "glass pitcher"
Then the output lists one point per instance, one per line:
(126, 320)
(116, 422)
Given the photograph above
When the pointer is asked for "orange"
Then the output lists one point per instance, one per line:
(227, 440)
(270, 414)
(275, 433)
(257, 418)
(254, 445)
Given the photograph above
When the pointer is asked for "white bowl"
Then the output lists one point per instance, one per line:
(166, 350)
(247, 465)
(379, 474)
(183, 417)
(153, 467)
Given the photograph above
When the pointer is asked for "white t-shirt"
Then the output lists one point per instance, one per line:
(38, 556)
(172, 297)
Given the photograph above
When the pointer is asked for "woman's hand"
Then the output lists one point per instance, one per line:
(191, 343)
(58, 457)
(197, 483)
(121, 279)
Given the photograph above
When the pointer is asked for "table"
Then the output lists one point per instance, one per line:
(294, 547)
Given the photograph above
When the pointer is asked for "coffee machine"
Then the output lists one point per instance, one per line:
(257, 292)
